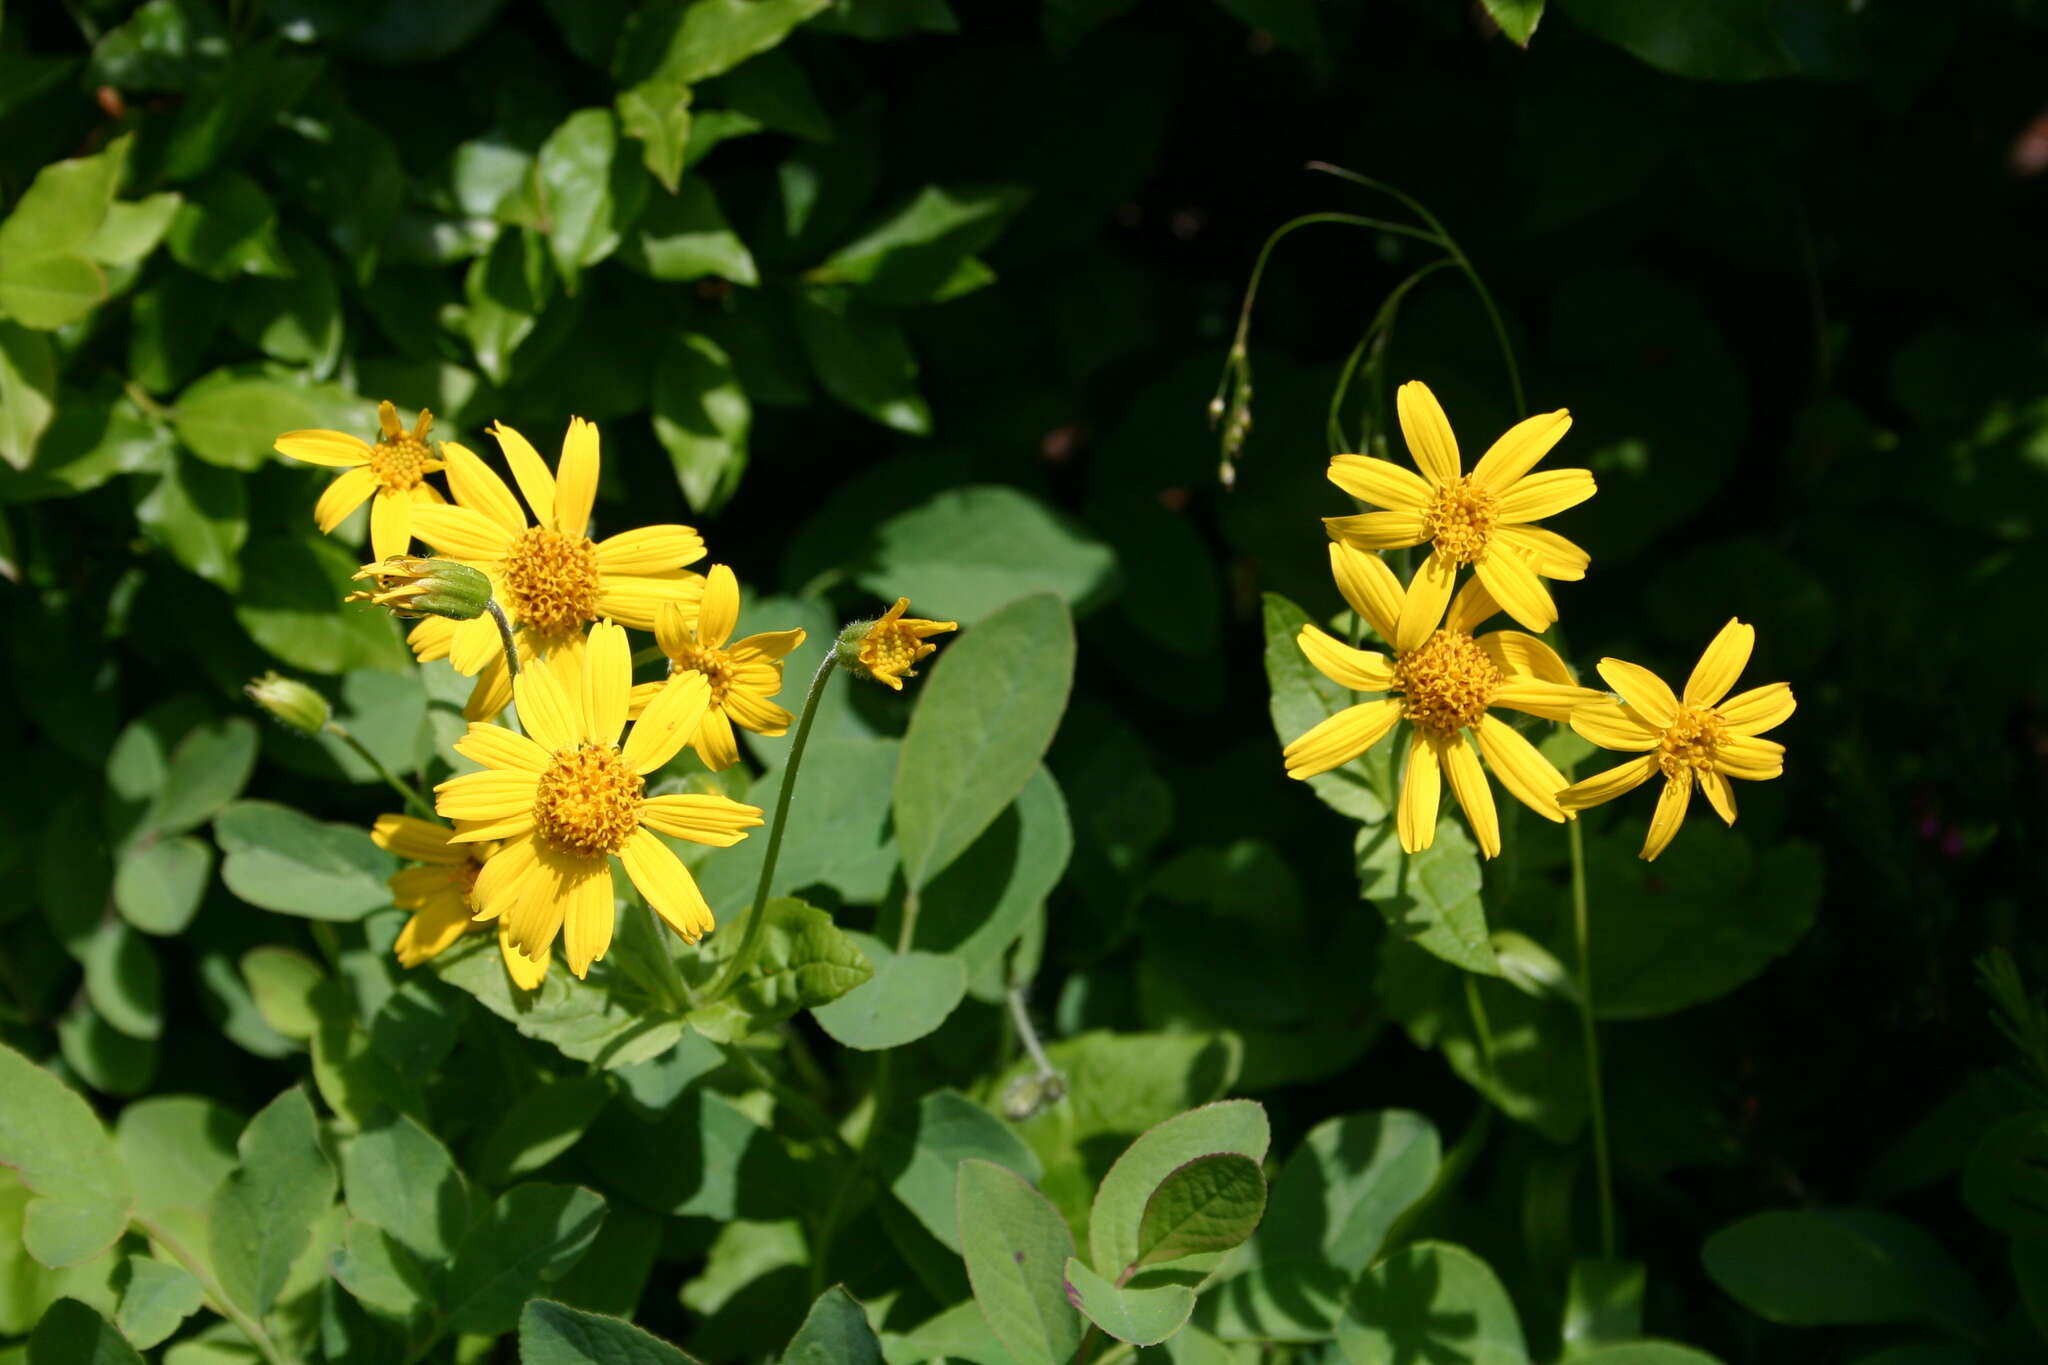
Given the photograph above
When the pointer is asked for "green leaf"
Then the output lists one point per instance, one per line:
(156, 1298)
(1211, 1204)
(684, 236)
(908, 996)
(1303, 699)
(227, 227)
(546, 1120)
(398, 1177)
(1143, 1317)
(1288, 1298)
(1517, 18)
(862, 358)
(835, 1332)
(207, 770)
(588, 196)
(131, 231)
(715, 36)
(803, 961)
(289, 608)
(64, 206)
(385, 1279)
(1432, 1300)
(581, 1019)
(124, 981)
(701, 417)
(984, 721)
(876, 20)
(158, 885)
(1017, 1246)
(1603, 1304)
(1430, 898)
(970, 551)
(178, 1149)
(657, 113)
(530, 1237)
(73, 1334)
(1735, 40)
(922, 1163)
(104, 1057)
(1115, 1236)
(838, 834)
(1344, 1187)
(1828, 1267)
(200, 514)
(505, 291)
(295, 320)
(263, 1214)
(1670, 1353)
(48, 292)
(231, 417)
(908, 258)
(556, 1334)
(52, 1139)
(279, 859)
(282, 982)
(28, 392)
(976, 908)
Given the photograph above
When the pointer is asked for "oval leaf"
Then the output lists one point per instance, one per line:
(1017, 1246)
(1211, 1204)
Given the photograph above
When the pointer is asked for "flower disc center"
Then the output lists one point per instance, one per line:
(552, 580)
(1446, 682)
(589, 801)
(401, 463)
(714, 664)
(1460, 520)
(1691, 740)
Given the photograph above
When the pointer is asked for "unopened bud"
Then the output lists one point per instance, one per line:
(425, 587)
(289, 702)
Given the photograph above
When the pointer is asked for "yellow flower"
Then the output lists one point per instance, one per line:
(1443, 681)
(438, 894)
(1481, 518)
(1697, 739)
(567, 796)
(888, 647)
(395, 469)
(743, 675)
(412, 588)
(551, 578)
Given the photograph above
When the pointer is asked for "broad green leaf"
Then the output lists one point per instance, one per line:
(1671, 1353)
(588, 196)
(582, 1019)
(976, 908)
(838, 833)
(105, 1058)
(262, 1216)
(207, 770)
(1017, 1246)
(715, 36)
(1430, 898)
(231, 416)
(48, 292)
(178, 1149)
(1211, 1204)
(227, 227)
(802, 961)
(52, 1139)
(556, 1334)
(545, 1121)
(1115, 1223)
(701, 417)
(921, 1164)
(1603, 1304)
(73, 1334)
(1517, 18)
(131, 231)
(505, 292)
(1342, 1190)
(65, 204)
(984, 720)
(158, 885)
(862, 358)
(704, 1158)
(124, 980)
(657, 113)
(909, 995)
(282, 982)
(908, 257)
(2006, 1176)
(1288, 1298)
(1735, 40)
(398, 1177)
(528, 1239)
(295, 320)
(835, 1332)
(684, 236)
(1828, 1267)
(155, 1299)
(1432, 1300)
(1143, 1317)
(279, 859)
(385, 1279)
(289, 608)
(1302, 699)
(28, 392)
(968, 552)
(200, 514)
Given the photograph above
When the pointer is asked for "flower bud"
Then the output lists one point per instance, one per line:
(425, 587)
(289, 702)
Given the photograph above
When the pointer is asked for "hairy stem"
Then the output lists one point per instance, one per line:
(407, 792)
(1596, 1103)
(505, 640)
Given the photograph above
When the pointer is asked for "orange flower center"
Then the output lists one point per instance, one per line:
(552, 580)
(714, 664)
(890, 650)
(589, 801)
(1445, 683)
(1460, 520)
(1691, 740)
(401, 463)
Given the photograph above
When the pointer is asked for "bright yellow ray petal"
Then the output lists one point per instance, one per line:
(1670, 813)
(529, 471)
(1421, 790)
(1552, 701)
(1428, 434)
(1378, 530)
(1369, 586)
(1358, 669)
(1422, 611)
(1475, 797)
(667, 723)
(538, 903)
(342, 497)
(1519, 448)
(1473, 605)
(544, 709)
(1380, 483)
(1611, 725)
(431, 638)
(1523, 655)
(1537, 496)
(415, 840)
(673, 630)
(649, 549)
(335, 449)
(526, 974)
(462, 533)
(1513, 583)
(1642, 689)
(432, 930)
(390, 525)
(576, 480)
(751, 708)
(1528, 776)
(1759, 709)
(587, 915)
(1721, 664)
(1752, 760)
(493, 690)
(1603, 787)
(477, 486)
(1720, 794)
(666, 885)
(718, 821)
(719, 610)
(1341, 738)
(641, 696)
(501, 871)
(496, 747)
(494, 794)
(607, 683)
(1550, 553)
(766, 645)
(714, 740)
(473, 644)
(635, 600)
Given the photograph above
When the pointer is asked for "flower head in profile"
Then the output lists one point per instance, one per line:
(548, 575)
(1699, 738)
(1444, 681)
(885, 649)
(744, 674)
(394, 471)
(438, 892)
(568, 796)
(1482, 518)
(412, 588)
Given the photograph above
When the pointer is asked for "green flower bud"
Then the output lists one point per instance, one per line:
(425, 587)
(289, 702)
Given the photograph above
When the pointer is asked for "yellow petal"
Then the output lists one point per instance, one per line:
(1369, 586)
(1670, 813)
(769, 645)
(1752, 760)
(1759, 709)
(714, 741)
(649, 549)
(1642, 689)
(496, 747)
(477, 487)
(1341, 738)
(607, 683)
(670, 719)
(1545, 495)
(1601, 788)
(493, 690)
(342, 497)
(576, 481)
(1377, 530)
(1720, 793)
(431, 931)
(1722, 663)
(473, 644)
(1513, 583)
(1519, 449)
(673, 630)
(1529, 777)
(529, 471)
(335, 449)
(1380, 483)
(719, 610)
(1421, 789)
(1475, 797)
(1552, 701)
(462, 533)
(1550, 553)
(666, 885)
(586, 914)
(1357, 669)
(718, 821)
(752, 709)
(502, 871)
(415, 840)
(1611, 725)
(1428, 433)
(544, 710)
(431, 638)
(526, 973)
(1522, 655)
(538, 903)
(493, 794)
(635, 600)
(1473, 605)
(1422, 610)
(642, 694)
(390, 525)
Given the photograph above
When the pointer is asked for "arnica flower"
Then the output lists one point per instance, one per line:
(413, 588)
(395, 470)
(567, 796)
(551, 577)
(885, 649)
(743, 675)
(1482, 518)
(1444, 681)
(438, 892)
(1696, 739)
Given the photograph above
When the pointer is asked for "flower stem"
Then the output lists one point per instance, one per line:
(410, 794)
(757, 919)
(1596, 1103)
(505, 639)
(216, 1297)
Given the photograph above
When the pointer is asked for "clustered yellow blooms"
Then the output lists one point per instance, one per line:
(1445, 681)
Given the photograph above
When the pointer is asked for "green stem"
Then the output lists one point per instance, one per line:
(1595, 1099)
(1382, 324)
(216, 1298)
(1028, 1035)
(505, 640)
(750, 937)
(407, 792)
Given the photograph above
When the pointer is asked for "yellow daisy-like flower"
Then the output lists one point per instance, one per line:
(1444, 681)
(438, 893)
(567, 796)
(891, 645)
(1482, 518)
(550, 577)
(395, 470)
(743, 675)
(1696, 739)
